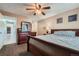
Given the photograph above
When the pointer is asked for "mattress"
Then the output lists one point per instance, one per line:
(66, 41)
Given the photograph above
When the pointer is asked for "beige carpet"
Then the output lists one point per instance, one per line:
(14, 50)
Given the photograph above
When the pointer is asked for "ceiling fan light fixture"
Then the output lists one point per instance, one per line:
(38, 11)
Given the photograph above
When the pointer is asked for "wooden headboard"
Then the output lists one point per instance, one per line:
(76, 31)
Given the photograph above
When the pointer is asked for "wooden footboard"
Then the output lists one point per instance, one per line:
(41, 48)
(37, 51)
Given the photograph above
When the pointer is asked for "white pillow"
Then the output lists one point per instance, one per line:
(70, 33)
(65, 33)
(58, 32)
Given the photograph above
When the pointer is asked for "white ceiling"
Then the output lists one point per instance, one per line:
(20, 9)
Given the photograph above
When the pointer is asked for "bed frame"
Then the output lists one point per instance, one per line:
(76, 34)
(62, 51)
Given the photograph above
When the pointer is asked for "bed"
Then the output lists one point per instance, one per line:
(54, 44)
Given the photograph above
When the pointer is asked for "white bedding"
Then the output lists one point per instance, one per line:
(69, 42)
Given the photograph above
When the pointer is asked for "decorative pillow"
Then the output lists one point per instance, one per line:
(65, 33)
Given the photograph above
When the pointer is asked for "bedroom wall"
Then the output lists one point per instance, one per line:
(19, 20)
(51, 22)
(34, 26)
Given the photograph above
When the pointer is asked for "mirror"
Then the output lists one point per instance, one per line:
(26, 26)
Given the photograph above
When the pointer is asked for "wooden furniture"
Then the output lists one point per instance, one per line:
(56, 50)
(76, 34)
(24, 31)
(22, 36)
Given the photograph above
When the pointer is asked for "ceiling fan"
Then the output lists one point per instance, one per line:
(37, 8)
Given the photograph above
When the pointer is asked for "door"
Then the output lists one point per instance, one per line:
(10, 33)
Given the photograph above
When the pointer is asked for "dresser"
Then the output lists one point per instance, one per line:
(24, 31)
(22, 36)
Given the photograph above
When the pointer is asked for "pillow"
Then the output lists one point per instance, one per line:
(65, 33)
(58, 32)
(70, 33)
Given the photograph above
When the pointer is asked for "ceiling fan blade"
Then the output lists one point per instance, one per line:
(36, 5)
(29, 8)
(43, 13)
(46, 7)
(39, 6)
(34, 14)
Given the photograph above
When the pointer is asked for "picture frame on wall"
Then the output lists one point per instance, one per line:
(72, 18)
(59, 20)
